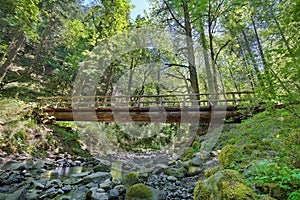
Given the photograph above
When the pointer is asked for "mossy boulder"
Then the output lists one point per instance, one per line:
(130, 179)
(178, 171)
(139, 192)
(101, 168)
(229, 156)
(211, 171)
(192, 170)
(224, 185)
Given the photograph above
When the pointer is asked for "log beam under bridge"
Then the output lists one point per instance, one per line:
(170, 108)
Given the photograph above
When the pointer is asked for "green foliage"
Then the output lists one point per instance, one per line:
(269, 155)
(294, 195)
(139, 191)
(19, 131)
(272, 177)
(191, 151)
(70, 139)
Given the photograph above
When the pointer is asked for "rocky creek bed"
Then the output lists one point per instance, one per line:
(66, 177)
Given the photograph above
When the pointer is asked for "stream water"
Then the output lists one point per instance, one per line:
(64, 172)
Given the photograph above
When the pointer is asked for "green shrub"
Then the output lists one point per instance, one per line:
(139, 191)
(274, 179)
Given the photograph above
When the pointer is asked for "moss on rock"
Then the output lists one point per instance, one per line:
(130, 179)
(211, 171)
(230, 155)
(224, 185)
(177, 172)
(190, 152)
(139, 191)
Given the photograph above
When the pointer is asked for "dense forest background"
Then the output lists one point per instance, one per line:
(247, 45)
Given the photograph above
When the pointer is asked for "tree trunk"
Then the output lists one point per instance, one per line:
(252, 57)
(131, 70)
(212, 54)
(251, 76)
(206, 61)
(14, 48)
(262, 55)
(190, 49)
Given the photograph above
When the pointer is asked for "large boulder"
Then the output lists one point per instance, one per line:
(97, 177)
(130, 179)
(13, 166)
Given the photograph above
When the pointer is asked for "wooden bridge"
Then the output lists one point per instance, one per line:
(183, 108)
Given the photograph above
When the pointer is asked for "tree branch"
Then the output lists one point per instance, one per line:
(177, 65)
(173, 16)
(217, 55)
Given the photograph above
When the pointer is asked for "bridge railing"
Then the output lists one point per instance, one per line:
(167, 100)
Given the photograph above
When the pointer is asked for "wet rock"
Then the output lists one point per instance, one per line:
(67, 188)
(121, 189)
(91, 185)
(194, 170)
(55, 183)
(101, 168)
(211, 164)
(172, 178)
(106, 185)
(17, 195)
(13, 166)
(3, 176)
(41, 171)
(28, 175)
(14, 177)
(97, 177)
(117, 182)
(32, 195)
(197, 161)
(96, 194)
(158, 194)
(39, 165)
(80, 175)
(38, 185)
(52, 192)
(104, 163)
(113, 193)
(73, 181)
(4, 189)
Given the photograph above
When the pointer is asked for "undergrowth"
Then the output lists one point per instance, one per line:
(25, 130)
(269, 152)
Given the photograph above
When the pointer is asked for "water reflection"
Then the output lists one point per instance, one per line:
(67, 171)
(63, 172)
(116, 170)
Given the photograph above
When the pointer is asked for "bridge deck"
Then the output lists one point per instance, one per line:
(182, 108)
